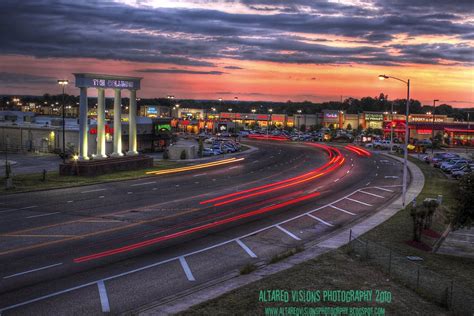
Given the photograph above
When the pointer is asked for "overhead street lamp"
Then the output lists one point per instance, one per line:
(433, 127)
(63, 83)
(405, 152)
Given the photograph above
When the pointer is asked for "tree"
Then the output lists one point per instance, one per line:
(349, 127)
(166, 155)
(462, 215)
(422, 217)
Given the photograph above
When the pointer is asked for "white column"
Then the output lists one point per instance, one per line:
(117, 124)
(132, 124)
(100, 123)
(83, 145)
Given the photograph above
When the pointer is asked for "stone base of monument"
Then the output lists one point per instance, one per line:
(91, 168)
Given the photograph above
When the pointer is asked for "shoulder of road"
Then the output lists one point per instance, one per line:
(336, 240)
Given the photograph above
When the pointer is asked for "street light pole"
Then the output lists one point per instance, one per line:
(405, 153)
(433, 127)
(63, 83)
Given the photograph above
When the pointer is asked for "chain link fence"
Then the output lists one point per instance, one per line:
(434, 287)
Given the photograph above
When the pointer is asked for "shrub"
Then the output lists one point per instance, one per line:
(183, 155)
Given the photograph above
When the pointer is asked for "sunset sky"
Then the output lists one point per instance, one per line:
(253, 49)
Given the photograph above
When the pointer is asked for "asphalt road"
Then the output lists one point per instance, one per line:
(120, 245)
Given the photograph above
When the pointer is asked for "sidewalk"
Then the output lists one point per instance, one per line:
(184, 301)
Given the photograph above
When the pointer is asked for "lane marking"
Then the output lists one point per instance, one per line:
(96, 190)
(234, 167)
(145, 183)
(70, 201)
(320, 220)
(19, 209)
(44, 236)
(383, 189)
(255, 161)
(104, 299)
(186, 269)
(336, 180)
(288, 233)
(129, 192)
(41, 215)
(247, 249)
(33, 270)
(367, 183)
(376, 195)
(391, 177)
(357, 201)
(101, 197)
(200, 174)
(340, 209)
(154, 189)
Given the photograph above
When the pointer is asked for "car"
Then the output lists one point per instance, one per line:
(206, 152)
(463, 171)
(453, 165)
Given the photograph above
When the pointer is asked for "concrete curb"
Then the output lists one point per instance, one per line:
(179, 303)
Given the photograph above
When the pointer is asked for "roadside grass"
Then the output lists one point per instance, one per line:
(394, 232)
(33, 182)
(331, 271)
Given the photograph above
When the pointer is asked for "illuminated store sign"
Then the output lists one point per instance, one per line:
(373, 117)
(426, 119)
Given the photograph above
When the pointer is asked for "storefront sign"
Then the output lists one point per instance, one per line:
(373, 116)
(425, 119)
(108, 130)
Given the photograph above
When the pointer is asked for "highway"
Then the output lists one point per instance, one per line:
(116, 246)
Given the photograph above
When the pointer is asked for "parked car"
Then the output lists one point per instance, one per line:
(457, 163)
(463, 171)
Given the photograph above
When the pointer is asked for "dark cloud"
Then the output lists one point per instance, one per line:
(233, 67)
(195, 37)
(13, 79)
(180, 71)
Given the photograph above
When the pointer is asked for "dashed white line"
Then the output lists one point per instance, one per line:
(186, 269)
(154, 189)
(200, 174)
(336, 180)
(96, 190)
(234, 167)
(320, 220)
(145, 183)
(255, 161)
(342, 210)
(19, 209)
(391, 177)
(247, 249)
(376, 195)
(70, 201)
(288, 232)
(383, 189)
(360, 202)
(33, 270)
(101, 197)
(129, 192)
(104, 299)
(41, 215)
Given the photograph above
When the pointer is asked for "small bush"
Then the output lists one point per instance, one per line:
(183, 155)
(286, 254)
(248, 268)
(166, 155)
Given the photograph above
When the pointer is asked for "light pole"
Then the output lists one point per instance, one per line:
(269, 120)
(433, 127)
(63, 83)
(405, 152)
